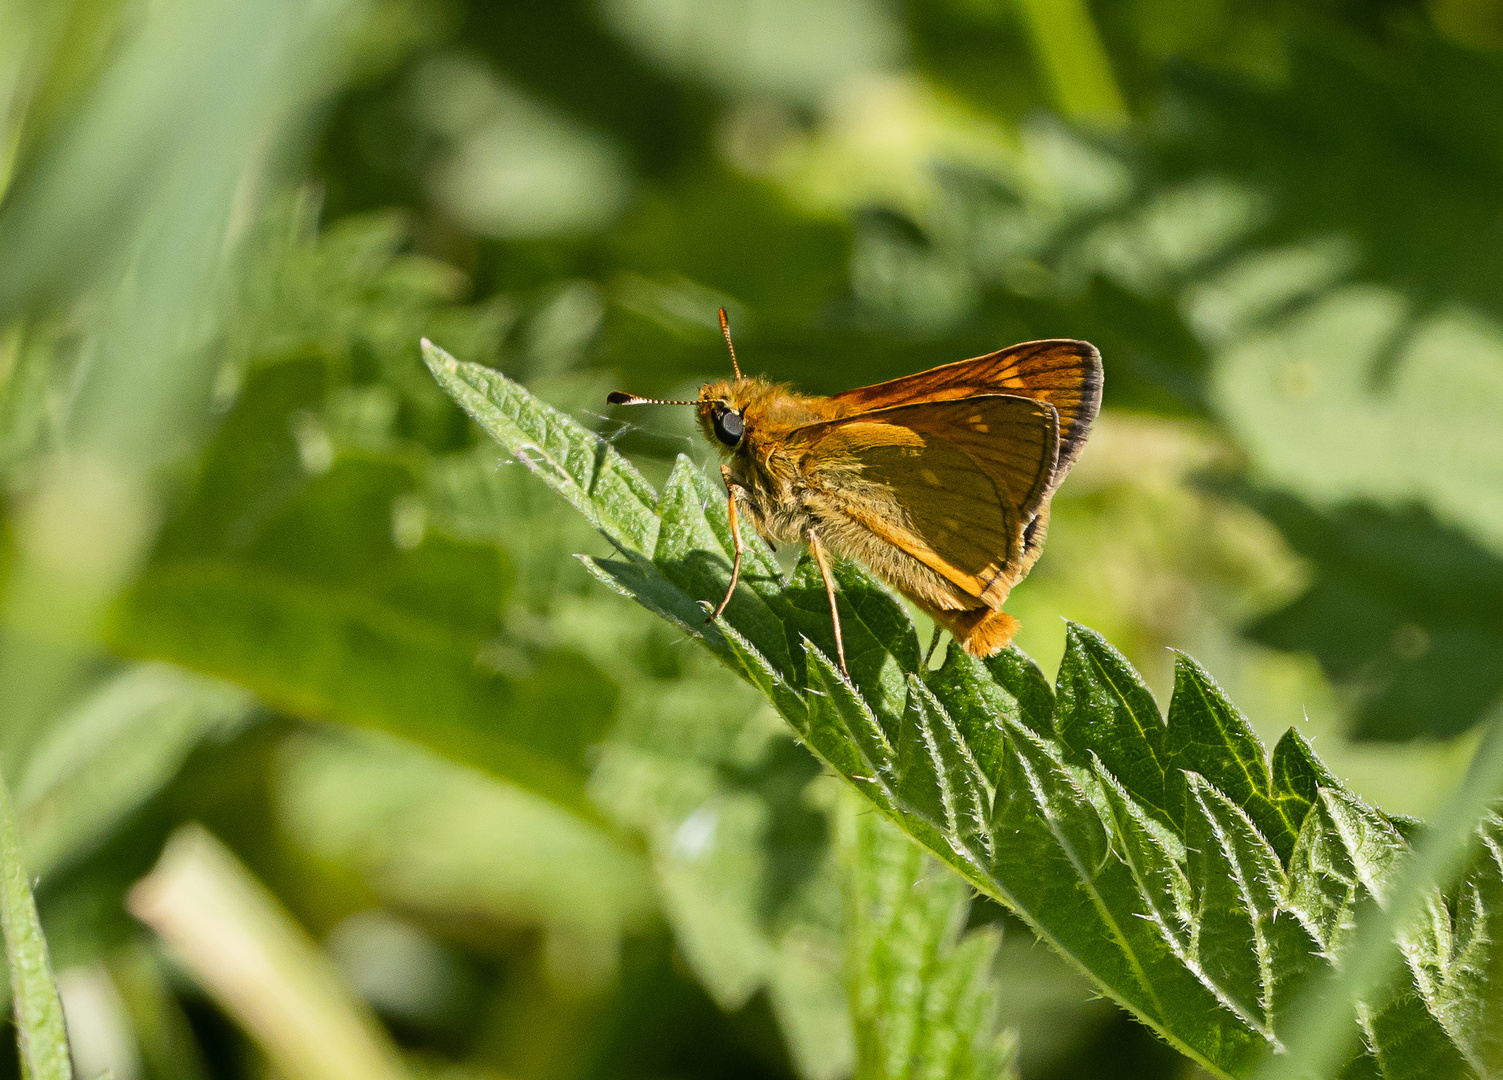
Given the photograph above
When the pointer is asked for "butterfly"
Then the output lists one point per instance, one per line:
(939, 482)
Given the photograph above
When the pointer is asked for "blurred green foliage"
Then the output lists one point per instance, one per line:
(258, 572)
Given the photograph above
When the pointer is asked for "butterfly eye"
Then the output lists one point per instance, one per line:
(729, 427)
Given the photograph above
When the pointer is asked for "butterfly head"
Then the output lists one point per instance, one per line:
(721, 409)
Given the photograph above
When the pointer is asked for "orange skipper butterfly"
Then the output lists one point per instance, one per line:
(939, 482)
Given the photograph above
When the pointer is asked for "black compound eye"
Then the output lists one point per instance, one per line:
(728, 427)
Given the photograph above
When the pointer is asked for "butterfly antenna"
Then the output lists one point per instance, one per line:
(725, 328)
(620, 397)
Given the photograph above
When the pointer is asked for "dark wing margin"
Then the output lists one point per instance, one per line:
(1063, 372)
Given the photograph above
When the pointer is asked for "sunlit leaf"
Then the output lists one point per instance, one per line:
(587, 471)
(1201, 883)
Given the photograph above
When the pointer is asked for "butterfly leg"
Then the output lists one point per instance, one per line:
(731, 489)
(933, 642)
(817, 549)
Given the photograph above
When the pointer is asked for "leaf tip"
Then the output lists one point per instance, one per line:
(436, 358)
(1075, 630)
(1078, 636)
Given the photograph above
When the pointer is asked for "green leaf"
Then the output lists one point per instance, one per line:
(923, 996)
(1400, 602)
(1015, 671)
(1201, 883)
(114, 751)
(1104, 707)
(1209, 736)
(293, 578)
(1298, 775)
(785, 697)
(736, 819)
(1058, 856)
(881, 645)
(586, 470)
(635, 577)
(1474, 1011)
(428, 835)
(938, 771)
(1238, 884)
(1068, 46)
(844, 730)
(982, 705)
(695, 523)
(40, 1031)
(1345, 856)
(1156, 858)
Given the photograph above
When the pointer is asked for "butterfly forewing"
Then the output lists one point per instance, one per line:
(1060, 371)
(1013, 439)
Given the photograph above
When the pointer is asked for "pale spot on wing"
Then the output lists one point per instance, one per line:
(929, 477)
(951, 524)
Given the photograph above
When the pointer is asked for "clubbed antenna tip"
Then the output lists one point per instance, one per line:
(621, 397)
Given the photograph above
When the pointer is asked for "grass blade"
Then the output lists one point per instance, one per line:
(259, 965)
(40, 1031)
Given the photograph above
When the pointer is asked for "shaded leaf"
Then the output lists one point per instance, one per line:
(1401, 602)
(302, 586)
(114, 751)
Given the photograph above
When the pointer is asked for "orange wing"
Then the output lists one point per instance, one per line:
(1061, 371)
(955, 484)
